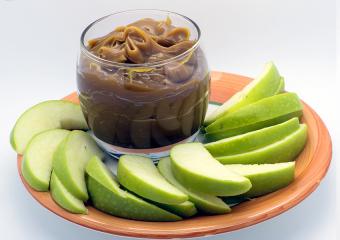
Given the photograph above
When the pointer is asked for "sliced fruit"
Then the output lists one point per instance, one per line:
(263, 113)
(204, 202)
(44, 116)
(252, 140)
(281, 87)
(284, 150)
(185, 209)
(107, 196)
(37, 161)
(139, 175)
(265, 85)
(195, 168)
(265, 178)
(70, 159)
(64, 198)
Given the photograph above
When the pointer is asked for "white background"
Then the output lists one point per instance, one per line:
(39, 41)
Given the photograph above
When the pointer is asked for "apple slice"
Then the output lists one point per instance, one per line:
(265, 85)
(195, 168)
(265, 178)
(284, 150)
(70, 159)
(263, 113)
(64, 198)
(186, 209)
(252, 140)
(107, 196)
(139, 175)
(37, 161)
(281, 87)
(44, 116)
(204, 202)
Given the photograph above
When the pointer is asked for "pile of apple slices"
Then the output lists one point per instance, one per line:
(251, 143)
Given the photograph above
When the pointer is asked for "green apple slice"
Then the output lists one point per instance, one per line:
(265, 178)
(265, 85)
(284, 150)
(70, 159)
(139, 175)
(107, 196)
(195, 168)
(186, 209)
(252, 140)
(263, 113)
(64, 198)
(44, 116)
(37, 161)
(205, 202)
(281, 87)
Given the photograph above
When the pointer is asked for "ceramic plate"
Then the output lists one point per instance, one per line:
(311, 167)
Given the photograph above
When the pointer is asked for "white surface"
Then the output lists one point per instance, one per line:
(39, 43)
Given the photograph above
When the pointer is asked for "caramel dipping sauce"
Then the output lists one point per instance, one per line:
(143, 85)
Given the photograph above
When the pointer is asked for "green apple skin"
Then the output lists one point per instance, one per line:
(252, 140)
(265, 85)
(70, 159)
(265, 178)
(263, 113)
(195, 168)
(281, 87)
(204, 202)
(186, 209)
(44, 116)
(107, 196)
(284, 150)
(139, 175)
(37, 161)
(64, 198)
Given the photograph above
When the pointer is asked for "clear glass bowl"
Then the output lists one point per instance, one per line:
(143, 108)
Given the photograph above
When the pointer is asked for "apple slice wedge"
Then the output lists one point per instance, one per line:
(284, 150)
(44, 116)
(265, 85)
(37, 161)
(265, 178)
(107, 196)
(139, 175)
(64, 198)
(263, 113)
(195, 168)
(281, 87)
(205, 202)
(186, 209)
(70, 159)
(252, 140)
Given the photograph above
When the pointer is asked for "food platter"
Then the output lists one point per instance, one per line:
(311, 166)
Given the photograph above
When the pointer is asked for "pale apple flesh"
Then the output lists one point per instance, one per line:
(37, 161)
(44, 116)
(195, 168)
(107, 196)
(265, 85)
(284, 150)
(70, 159)
(64, 198)
(265, 178)
(139, 175)
(252, 140)
(204, 202)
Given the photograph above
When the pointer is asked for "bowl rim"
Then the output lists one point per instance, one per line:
(99, 60)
